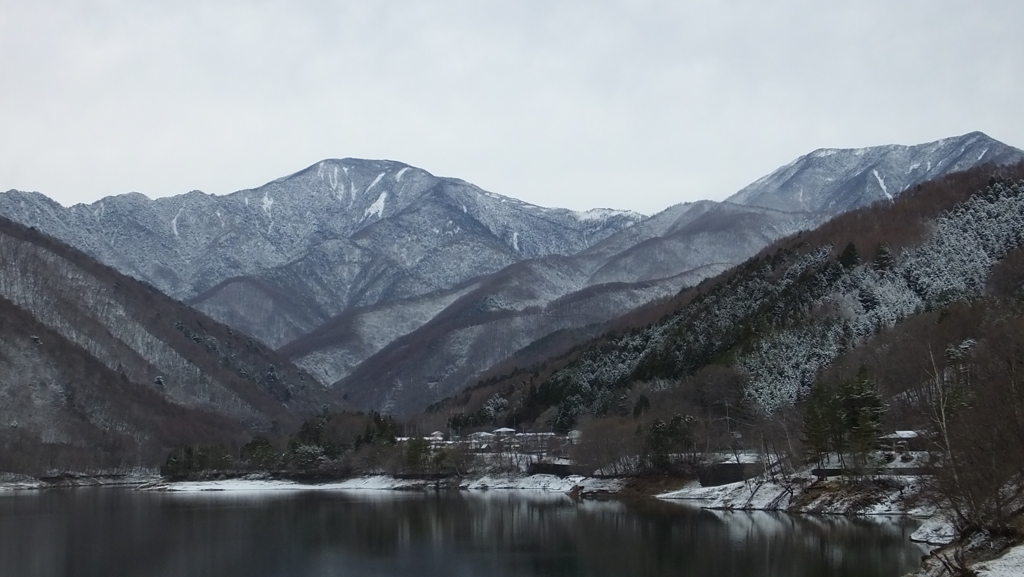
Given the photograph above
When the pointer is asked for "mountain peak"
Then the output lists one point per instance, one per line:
(830, 181)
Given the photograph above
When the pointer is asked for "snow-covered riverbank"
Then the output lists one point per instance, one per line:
(794, 494)
(26, 483)
(803, 494)
(987, 555)
(578, 485)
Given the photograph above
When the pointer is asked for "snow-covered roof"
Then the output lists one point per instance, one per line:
(902, 435)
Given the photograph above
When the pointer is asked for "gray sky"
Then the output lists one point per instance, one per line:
(629, 104)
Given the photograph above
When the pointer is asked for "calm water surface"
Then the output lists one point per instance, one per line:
(112, 532)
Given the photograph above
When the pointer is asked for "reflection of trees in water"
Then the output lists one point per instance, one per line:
(552, 535)
(495, 534)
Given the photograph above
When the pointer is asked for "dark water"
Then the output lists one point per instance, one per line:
(112, 532)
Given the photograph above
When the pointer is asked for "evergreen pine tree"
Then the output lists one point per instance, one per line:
(817, 430)
(862, 415)
(869, 423)
(849, 257)
(883, 257)
(643, 404)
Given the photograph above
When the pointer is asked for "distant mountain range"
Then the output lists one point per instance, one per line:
(396, 288)
(279, 260)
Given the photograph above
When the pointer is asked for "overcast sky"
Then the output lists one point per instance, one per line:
(624, 104)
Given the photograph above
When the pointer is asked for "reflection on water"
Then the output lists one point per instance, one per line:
(110, 532)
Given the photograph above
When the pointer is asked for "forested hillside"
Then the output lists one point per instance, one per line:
(100, 370)
(752, 342)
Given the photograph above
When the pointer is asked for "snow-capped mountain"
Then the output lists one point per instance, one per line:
(487, 322)
(279, 260)
(831, 181)
(400, 287)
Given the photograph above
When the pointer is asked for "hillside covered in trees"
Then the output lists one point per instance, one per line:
(100, 371)
(890, 295)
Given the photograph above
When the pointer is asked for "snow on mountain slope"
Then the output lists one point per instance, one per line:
(722, 233)
(831, 181)
(278, 260)
(652, 259)
(480, 331)
(510, 310)
(401, 287)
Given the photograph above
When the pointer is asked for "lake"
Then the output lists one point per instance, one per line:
(107, 532)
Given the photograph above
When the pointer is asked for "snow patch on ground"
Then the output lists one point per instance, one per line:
(375, 181)
(174, 221)
(334, 179)
(6, 486)
(377, 207)
(551, 483)
(598, 214)
(10, 483)
(881, 183)
(584, 485)
(802, 494)
(398, 175)
(936, 530)
(1011, 564)
(748, 495)
(375, 482)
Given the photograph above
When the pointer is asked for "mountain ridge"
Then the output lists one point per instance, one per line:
(348, 262)
(833, 180)
(756, 337)
(332, 223)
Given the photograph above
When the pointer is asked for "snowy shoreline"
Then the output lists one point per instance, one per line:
(576, 484)
(25, 483)
(798, 494)
(874, 496)
(803, 494)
